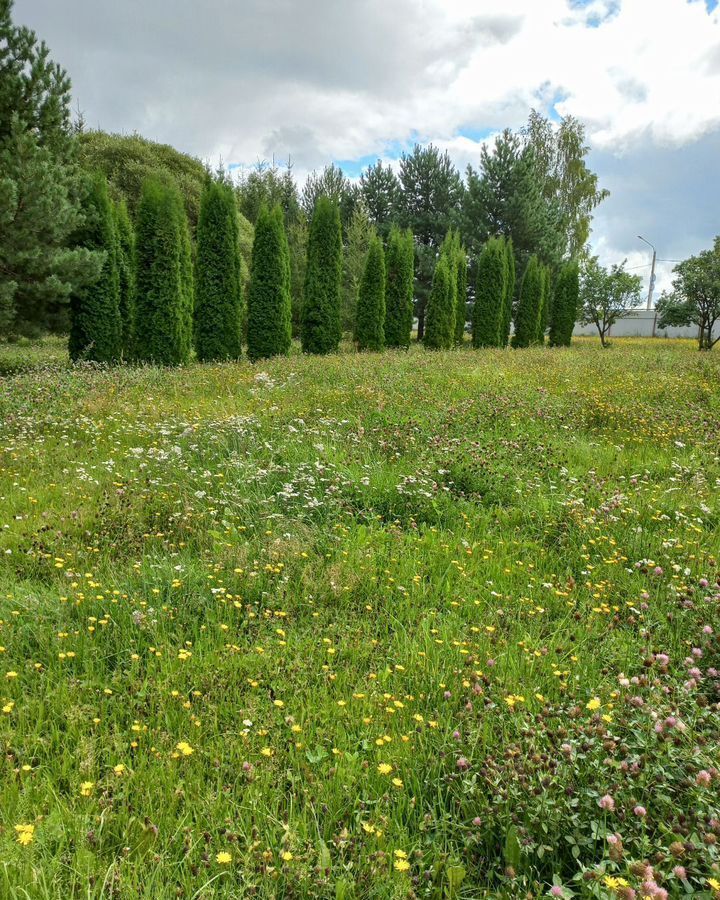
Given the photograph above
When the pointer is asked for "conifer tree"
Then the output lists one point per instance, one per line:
(450, 248)
(565, 305)
(545, 303)
(40, 190)
(126, 272)
(461, 280)
(217, 277)
(490, 294)
(440, 312)
(96, 329)
(321, 326)
(163, 271)
(399, 278)
(269, 303)
(187, 279)
(370, 317)
(528, 309)
(509, 296)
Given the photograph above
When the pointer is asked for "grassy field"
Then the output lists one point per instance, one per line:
(385, 626)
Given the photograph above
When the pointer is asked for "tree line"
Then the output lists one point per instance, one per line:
(141, 253)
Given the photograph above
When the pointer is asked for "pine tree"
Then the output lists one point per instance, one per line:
(40, 191)
(565, 305)
(399, 274)
(440, 313)
(126, 272)
(509, 296)
(529, 302)
(95, 326)
(490, 294)
(217, 277)
(370, 321)
(545, 304)
(321, 329)
(162, 276)
(269, 304)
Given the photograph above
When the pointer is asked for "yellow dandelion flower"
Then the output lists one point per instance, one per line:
(593, 704)
(86, 788)
(286, 855)
(397, 782)
(25, 834)
(384, 768)
(184, 748)
(402, 865)
(223, 858)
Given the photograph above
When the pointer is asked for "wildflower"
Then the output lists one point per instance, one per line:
(384, 768)
(463, 764)
(25, 834)
(593, 704)
(119, 769)
(402, 865)
(223, 858)
(557, 891)
(286, 855)
(397, 782)
(703, 778)
(640, 811)
(86, 788)
(607, 803)
(184, 748)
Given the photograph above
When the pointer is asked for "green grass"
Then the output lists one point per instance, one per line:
(311, 567)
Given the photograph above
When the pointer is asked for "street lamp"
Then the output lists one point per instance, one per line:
(652, 272)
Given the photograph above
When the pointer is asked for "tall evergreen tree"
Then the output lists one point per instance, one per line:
(431, 189)
(509, 297)
(40, 191)
(565, 305)
(400, 259)
(529, 304)
(490, 293)
(440, 317)
(321, 330)
(333, 184)
(545, 304)
(380, 189)
(187, 279)
(269, 305)
(358, 237)
(217, 275)
(126, 272)
(370, 321)
(461, 280)
(95, 325)
(161, 277)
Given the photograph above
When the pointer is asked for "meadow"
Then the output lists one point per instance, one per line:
(410, 625)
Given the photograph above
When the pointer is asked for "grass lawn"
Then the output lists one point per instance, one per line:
(404, 625)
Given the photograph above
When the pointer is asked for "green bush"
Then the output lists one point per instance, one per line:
(399, 282)
(370, 315)
(321, 328)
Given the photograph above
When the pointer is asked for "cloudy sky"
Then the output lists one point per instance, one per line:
(353, 80)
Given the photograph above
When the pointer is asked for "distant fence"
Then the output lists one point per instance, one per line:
(641, 323)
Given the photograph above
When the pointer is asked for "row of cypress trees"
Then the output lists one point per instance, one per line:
(152, 304)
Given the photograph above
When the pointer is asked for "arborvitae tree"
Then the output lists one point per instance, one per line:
(126, 272)
(450, 248)
(529, 302)
(269, 305)
(440, 312)
(96, 329)
(490, 295)
(357, 239)
(461, 276)
(217, 277)
(509, 297)
(187, 280)
(161, 277)
(370, 320)
(399, 280)
(565, 305)
(545, 303)
(320, 332)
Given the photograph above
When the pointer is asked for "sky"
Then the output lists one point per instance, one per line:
(350, 81)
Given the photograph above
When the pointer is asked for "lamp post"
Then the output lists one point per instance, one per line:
(652, 272)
